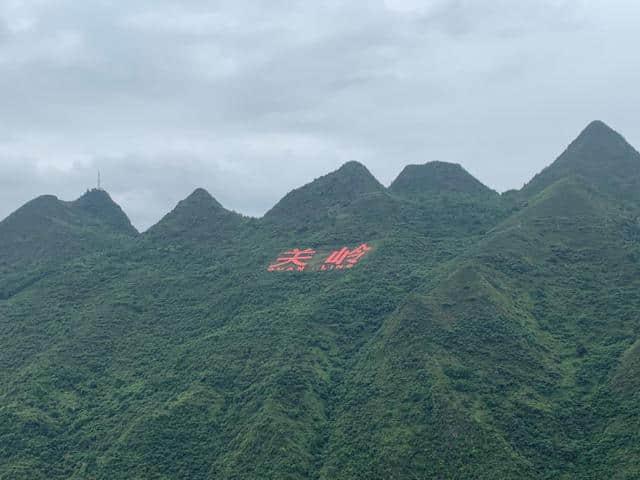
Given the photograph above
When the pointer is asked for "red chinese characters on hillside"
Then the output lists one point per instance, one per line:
(345, 258)
(293, 260)
(299, 260)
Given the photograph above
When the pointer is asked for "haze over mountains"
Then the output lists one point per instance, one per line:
(482, 336)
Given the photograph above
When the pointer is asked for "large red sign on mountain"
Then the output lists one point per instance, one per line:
(300, 259)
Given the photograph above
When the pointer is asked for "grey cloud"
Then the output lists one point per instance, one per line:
(249, 99)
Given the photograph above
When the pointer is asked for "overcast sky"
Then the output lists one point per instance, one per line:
(250, 99)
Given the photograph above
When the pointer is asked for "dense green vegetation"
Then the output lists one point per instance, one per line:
(484, 336)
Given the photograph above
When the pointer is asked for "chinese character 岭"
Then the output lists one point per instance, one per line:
(345, 258)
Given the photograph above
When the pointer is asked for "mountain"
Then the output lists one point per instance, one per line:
(48, 231)
(327, 195)
(101, 210)
(435, 178)
(475, 335)
(199, 217)
(449, 197)
(602, 158)
(47, 225)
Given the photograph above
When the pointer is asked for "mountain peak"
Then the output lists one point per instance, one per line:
(99, 204)
(599, 126)
(200, 204)
(46, 198)
(34, 211)
(95, 208)
(353, 167)
(202, 198)
(437, 177)
(599, 133)
(336, 189)
(48, 230)
(97, 194)
(198, 216)
(599, 155)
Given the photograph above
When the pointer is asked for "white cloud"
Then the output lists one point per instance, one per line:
(178, 20)
(414, 6)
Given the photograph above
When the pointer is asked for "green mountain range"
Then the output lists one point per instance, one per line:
(432, 329)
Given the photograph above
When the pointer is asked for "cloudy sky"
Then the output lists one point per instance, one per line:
(250, 99)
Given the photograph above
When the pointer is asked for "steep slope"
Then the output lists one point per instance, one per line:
(100, 210)
(46, 225)
(436, 178)
(617, 428)
(602, 157)
(491, 342)
(513, 360)
(199, 217)
(493, 366)
(451, 196)
(327, 195)
(47, 231)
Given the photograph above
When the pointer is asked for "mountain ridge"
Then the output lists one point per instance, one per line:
(478, 337)
(602, 157)
(46, 218)
(353, 179)
(437, 178)
(338, 188)
(199, 215)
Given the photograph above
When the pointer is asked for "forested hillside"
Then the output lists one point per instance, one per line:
(432, 329)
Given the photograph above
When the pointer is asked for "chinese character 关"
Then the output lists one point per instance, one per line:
(295, 259)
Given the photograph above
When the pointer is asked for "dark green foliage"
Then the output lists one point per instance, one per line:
(602, 157)
(437, 178)
(197, 218)
(98, 205)
(484, 336)
(325, 195)
(46, 232)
